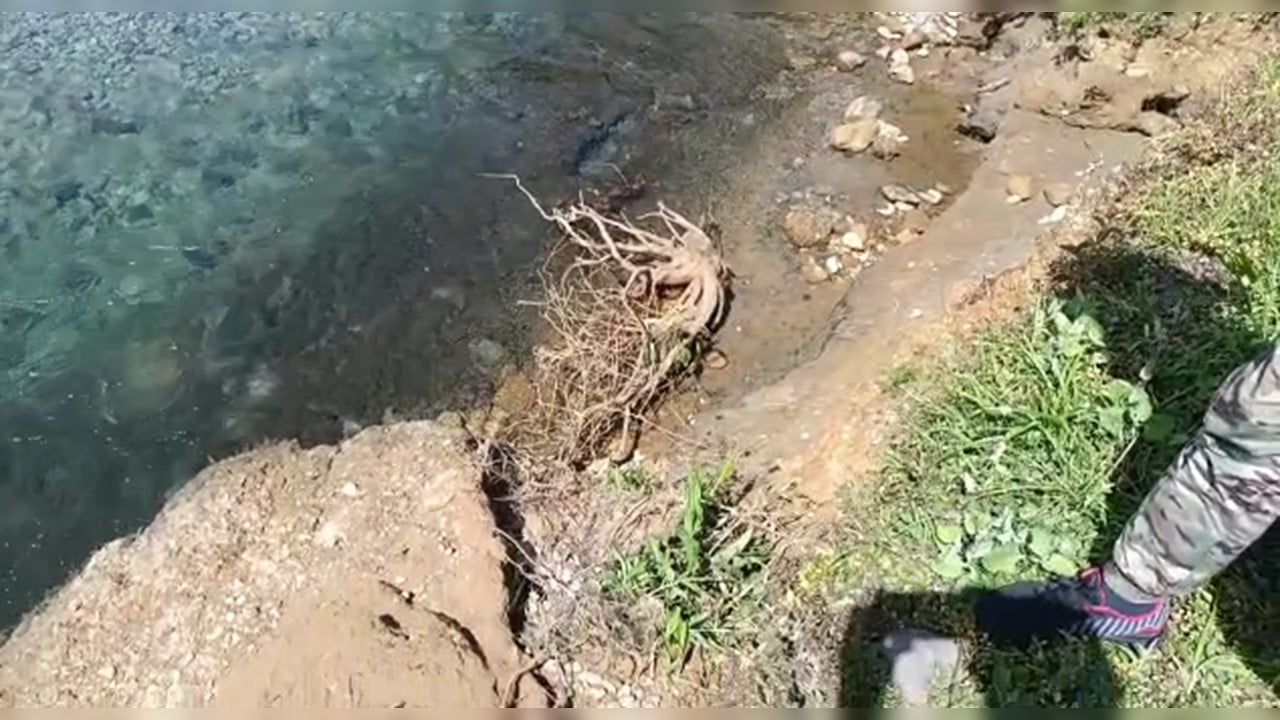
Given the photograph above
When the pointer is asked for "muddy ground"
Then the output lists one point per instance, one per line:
(344, 575)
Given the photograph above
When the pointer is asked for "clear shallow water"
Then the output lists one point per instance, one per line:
(223, 228)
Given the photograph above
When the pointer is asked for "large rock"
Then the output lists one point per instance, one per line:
(269, 580)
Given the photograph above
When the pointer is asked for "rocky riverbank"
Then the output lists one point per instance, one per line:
(385, 569)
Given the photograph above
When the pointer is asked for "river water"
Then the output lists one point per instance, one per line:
(220, 229)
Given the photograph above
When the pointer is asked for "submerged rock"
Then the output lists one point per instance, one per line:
(66, 191)
(200, 258)
(114, 126)
(981, 122)
(864, 107)
(488, 354)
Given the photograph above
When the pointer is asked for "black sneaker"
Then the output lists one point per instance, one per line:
(1021, 614)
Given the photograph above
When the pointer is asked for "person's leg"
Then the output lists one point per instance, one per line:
(1218, 497)
(1221, 494)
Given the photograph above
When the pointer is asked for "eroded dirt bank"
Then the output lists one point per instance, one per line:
(374, 573)
(369, 574)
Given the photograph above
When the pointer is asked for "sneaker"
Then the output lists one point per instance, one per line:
(1022, 614)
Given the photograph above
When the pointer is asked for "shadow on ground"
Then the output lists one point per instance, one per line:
(1169, 317)
(1065, 674)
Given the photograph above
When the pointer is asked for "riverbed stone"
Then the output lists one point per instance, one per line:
(850, 60)
(854, 137)
(808, 226)
(864, 107)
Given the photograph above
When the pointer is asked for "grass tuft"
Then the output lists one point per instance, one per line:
(1144, 25)
(706, 579)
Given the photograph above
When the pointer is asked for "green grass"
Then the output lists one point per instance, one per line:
(705, 582)
(630, 478)
(1142, 24)
(1026, 449)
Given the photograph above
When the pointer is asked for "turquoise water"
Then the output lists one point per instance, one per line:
(220, 229)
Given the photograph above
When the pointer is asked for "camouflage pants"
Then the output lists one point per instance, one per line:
(1219, 496)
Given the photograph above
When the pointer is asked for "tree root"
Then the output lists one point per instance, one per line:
(628, 316)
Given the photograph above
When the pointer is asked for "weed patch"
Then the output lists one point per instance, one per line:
(703, 583)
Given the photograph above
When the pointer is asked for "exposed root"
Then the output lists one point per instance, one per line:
(511, 694)
(629, 311)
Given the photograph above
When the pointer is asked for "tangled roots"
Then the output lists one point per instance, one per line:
(628, 315)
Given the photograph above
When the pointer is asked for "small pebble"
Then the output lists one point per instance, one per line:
(931, 196)
(916, 313)
(913, 40)
(813, 272)
(833, 265)
(850, 60)
(715, 360)
(1058, 215)
(350, 490)
(856, 238)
